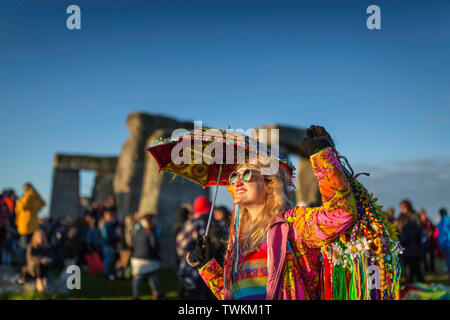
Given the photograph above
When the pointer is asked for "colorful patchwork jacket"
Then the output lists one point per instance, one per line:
(295, 238)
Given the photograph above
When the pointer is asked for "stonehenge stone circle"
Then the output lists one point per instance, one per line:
(134, 180)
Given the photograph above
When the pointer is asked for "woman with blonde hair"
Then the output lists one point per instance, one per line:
(38, 258)
(274, 248)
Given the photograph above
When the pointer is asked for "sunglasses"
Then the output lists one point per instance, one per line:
(246, 176)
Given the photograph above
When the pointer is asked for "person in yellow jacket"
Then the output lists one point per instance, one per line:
(27, 209)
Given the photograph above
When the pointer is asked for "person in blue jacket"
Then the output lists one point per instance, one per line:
(107, 228)
(444, 236)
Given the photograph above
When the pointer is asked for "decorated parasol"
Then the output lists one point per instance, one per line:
(207, 156)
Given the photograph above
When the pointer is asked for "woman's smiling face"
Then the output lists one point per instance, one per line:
(251, 192)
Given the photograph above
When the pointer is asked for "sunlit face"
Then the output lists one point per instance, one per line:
(108, 216)
(89, 220)
(39, 238)
(218, 215)
(423, 216)
(403, 208)
(249, 191)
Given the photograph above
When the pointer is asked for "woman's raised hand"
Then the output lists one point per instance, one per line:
(317, 138)
(317, 132)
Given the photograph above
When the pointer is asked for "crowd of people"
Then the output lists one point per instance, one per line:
(98, 241)
(422, 240)
(131, 248)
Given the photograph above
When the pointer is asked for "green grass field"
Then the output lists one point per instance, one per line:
(99, 288)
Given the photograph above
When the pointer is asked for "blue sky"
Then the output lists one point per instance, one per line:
(383, 94)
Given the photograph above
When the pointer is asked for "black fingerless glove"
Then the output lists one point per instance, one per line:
(201, 253)
(317, 138)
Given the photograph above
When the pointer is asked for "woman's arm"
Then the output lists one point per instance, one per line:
(212, 274)
(318, 226)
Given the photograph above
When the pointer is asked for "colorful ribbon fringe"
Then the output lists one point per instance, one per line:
(364, 263)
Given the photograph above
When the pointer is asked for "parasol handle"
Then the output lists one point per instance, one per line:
(213, 203)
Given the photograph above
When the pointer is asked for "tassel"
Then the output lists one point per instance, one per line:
(358, 285)
(352, 284)
(236, 242)
(397, 272)
(357, 280)
(327, 276)
(339, 283)
(363, 280)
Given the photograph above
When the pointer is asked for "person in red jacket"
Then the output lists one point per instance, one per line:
(5, 236)
(429, 246)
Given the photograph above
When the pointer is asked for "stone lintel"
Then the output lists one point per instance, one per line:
(102, 165)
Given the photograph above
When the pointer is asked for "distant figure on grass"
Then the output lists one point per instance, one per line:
(406, 210)
(444, 236)
(182, 215)
(5, 232)
(38, 260)
(145, 259)
(27, 209)
(107, 226)
(410, 236)
(73, 248)
(429, 245)
(93, 241)
(126, 246)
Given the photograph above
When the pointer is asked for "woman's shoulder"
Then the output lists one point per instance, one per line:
(294, 212)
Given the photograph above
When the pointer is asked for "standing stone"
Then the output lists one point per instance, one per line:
(65, 200)
(128, 177)
(151, 187)
(103, 187)
(130, 167)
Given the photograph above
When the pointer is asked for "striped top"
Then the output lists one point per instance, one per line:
(251, 281)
